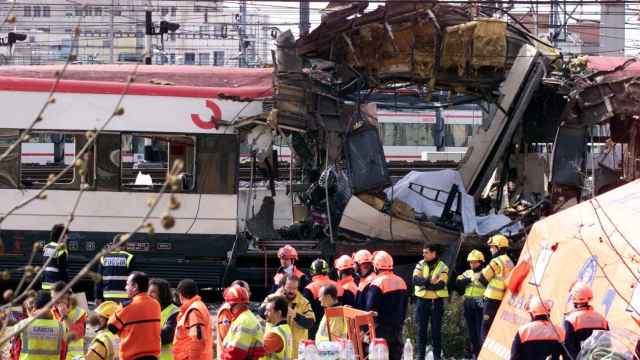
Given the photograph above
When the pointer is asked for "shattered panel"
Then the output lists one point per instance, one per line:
(424, 52)
(456, 51)
(489, 44)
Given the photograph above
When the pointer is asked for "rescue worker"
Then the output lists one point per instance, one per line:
(224, 318)
(56, 251)
(387, 296)
(338, 326)
(580, 323)
(363, 261)
(244, 339)
(300, 316)
(137, 324)
(67, 311)
(288, 256)
(193, 340)
(105, 345)
(472, 306)
(27, 309)
(319, 276)
(493, 276)
(278, 341)
(538, 339)
(430, 278)
(160, 290)
(44, 338)
(114, 269)
(344, 266)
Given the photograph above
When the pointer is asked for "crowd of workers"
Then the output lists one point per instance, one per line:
(137, 317)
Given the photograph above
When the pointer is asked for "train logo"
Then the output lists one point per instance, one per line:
(215, 118)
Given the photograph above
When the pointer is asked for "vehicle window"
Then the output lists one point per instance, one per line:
(9, 165)
(44, 154)
(407, 134)
(147, 159)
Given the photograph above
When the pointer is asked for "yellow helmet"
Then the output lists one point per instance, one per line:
(499, 240)
(107, 308)
(475, 255)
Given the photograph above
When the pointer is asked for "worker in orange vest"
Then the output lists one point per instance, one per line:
(193, 340)
(387, 296)
(288, 256)
(540, 338)
(580, 323)
(319, 277)
(68, 312)
(344, 266)
(225, 317)
(363, 261)
(137, 324)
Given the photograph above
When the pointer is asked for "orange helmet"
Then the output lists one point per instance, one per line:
(236, 294)
(288, 252)
(539, 307)
(581, 293)
(344, 262)
(362, 256)
(382, 260)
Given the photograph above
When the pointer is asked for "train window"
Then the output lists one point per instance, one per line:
(44, 154)
(8, 165)
(407, 134)
(146, 159)
(457, 135)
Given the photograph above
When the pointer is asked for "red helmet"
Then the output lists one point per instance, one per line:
(236, 294)
(539, 307)
(344, 262)
(382, 260)
(362, 256)
(581, 293)
(288, 252)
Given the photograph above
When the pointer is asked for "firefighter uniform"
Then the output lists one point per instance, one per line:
(430, 303)
(224, 318)
(303, 279)
(56, 270)
(283, 331)
(43, 339)
(338, 326)
(77, 317)
(105, 346)
(349, 291)
(494, 276)
(473, 304)
(186, 344)
(320, 278)
(244, 339)
(138, 326)
(579, 325)
(363, 288)
(166, 351)
(537, 340)
(114, 269)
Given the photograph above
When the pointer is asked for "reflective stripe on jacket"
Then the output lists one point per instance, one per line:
(475, 287)
(440, 271)
(42, 340)
(109, 342)
(138, 327)
(115, 268)
(184, 345)
(76, 347)
(540, 330)
(53, 272)
(284, 333)
(587, 319)
(244, 336)
(496, 273)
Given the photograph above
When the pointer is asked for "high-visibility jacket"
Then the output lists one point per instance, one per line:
(224, 318)
(193, 315)
(439, 271)
(538, 340)
(284, 333)
(43, 339)
(166, 352)
(338, 329)
(105, 346)
(244, 339)
(363, 287)
(579, 326)
(350, 290)
(474, 287)
(496, 272)
(56, 270)
(77, 317)
(387, 296)
(138, 327)
(114, 269)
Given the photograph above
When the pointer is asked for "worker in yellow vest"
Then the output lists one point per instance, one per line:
(278, 341)
(430, 278)
(105, 345)
(473, 304)
(44, 337)
(337, 326)
(160, 290)
(494, 276)
(245, 337)
(68, 312)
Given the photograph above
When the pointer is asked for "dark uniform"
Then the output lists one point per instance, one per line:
(350, 289)
(537, 340)
(579, 325)
(56, 270)
(363, 288)
(473, 305)
(387, 296)
(114, 269)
